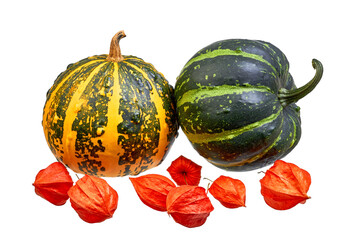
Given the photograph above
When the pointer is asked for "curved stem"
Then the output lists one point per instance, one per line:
(287, 97)
(115, 52)
(208, 179)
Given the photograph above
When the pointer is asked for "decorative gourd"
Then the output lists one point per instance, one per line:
(110, 115)
(236, 103)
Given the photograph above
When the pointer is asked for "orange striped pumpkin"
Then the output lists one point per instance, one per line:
(110, 115)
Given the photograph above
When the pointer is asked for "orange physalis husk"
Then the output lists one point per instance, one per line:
(53, 183)
(189, 205)
(285, 185)
(152, 190)
(185, 172)
(93, 199)
(230, 192)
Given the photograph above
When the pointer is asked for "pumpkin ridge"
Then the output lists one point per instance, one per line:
(281, 150)
(160, 114)
(138, 127)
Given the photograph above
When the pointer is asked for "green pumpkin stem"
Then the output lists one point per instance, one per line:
(287, 97)
(115, 52)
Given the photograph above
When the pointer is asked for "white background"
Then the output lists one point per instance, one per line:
(40, 38)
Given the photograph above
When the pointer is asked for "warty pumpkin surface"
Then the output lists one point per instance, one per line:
(110, 115)
(236, 103)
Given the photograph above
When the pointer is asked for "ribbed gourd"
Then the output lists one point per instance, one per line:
(236, 103)
(110, 115)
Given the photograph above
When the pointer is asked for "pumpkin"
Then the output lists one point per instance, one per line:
(236, 100)
(110, 115)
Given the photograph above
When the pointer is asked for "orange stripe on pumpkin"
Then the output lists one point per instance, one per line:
(109, 138)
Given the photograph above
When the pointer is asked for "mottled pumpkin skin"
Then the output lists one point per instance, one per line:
(110, 119)
(228, 104)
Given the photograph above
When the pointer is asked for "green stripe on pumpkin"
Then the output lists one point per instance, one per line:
(224, 52)
(92, 120)
(74, 106)
(193, 96)
(229, 134)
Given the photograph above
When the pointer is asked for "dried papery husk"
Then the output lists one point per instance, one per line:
(53, 183)
(93, 199)
(152, 190)
(230, 192)
(189, 205)
(285, 185)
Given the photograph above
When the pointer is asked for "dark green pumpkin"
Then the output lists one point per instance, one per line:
(236, 103)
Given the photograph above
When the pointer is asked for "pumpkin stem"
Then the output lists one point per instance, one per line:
(115, 52)
(287, 97)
